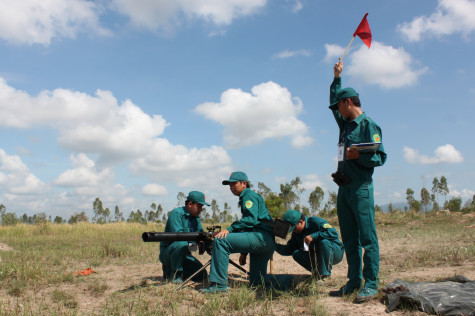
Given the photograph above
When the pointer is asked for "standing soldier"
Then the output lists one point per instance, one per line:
(355, 203)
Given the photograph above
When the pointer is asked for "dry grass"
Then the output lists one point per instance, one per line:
(36, 265)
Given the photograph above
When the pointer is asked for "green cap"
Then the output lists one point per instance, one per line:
(343, 94)
(293, 217)
(198, 197)
(235, 177)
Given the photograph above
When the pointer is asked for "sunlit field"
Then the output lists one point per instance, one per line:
(37, 265)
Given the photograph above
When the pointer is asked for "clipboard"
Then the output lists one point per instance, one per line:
(366, 147)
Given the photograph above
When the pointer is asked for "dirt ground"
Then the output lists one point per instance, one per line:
(126, 279)
(120, 279)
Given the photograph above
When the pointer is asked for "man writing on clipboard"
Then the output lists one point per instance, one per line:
(355, 203)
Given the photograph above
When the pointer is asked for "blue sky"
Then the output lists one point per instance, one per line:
(133, 101)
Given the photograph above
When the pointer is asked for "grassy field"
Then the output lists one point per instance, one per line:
(37, 264)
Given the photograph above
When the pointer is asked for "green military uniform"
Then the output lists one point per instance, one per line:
(247, 235)
(175, 256)
(324, 251)
(355, 203)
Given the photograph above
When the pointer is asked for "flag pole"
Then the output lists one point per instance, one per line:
(347, 47)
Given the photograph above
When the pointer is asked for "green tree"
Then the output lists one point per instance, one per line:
(215, 217)
(305, 211)
(443, 189)
(410, 198)
(330, 206)
(425, 198)
(101, 215)
(297, 188)
(417, 206)
(78, 217)
(390, 207)
(315, 200)
(263, 190)
(118, 216)
(435, 188)
(58, 220)
(275, 205)
(288, 195)
(226, 215)
(435, 205)
(159, 212)
(9, 219)
(205, 217)
(378, 209)
(454, 204)
(40, 218)
(136, 217)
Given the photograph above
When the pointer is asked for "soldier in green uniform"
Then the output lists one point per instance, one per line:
(314, 244)
(249, 235)
(355, 203)
(177, 261)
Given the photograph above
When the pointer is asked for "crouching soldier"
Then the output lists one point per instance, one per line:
(314, 244)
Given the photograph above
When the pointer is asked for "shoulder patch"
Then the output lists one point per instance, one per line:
(376, 138)
(248, 204)
(326, 226)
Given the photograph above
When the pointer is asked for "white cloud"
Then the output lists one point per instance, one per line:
(268, 112)
(451, 16)
(383, 65)
(311, 181)
(186, 167)
(16, 179)
(115, 133)
(85, 182)
(333, 52)
(297, 6)
(84, 176)
(443, 154)
(39, 22)
(288, 53)
(154, 189)
(465, 193)
(164, 16)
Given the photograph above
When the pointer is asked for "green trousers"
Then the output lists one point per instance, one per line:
(259, 244)
(355, 208)
(320, 258)
(176, 258)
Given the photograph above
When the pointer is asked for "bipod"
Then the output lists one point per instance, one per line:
(204, 267)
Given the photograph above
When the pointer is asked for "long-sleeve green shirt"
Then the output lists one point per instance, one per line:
(316, 227)
(361, 130)
(253, 210)
(180, 220)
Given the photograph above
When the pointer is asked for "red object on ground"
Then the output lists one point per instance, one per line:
(84, 272)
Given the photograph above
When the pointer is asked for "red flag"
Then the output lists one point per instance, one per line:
(364, 32)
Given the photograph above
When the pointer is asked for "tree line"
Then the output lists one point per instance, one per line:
(430, 200)
(288, 197)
